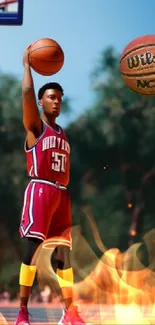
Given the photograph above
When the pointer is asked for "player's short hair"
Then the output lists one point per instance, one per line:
(50, 85)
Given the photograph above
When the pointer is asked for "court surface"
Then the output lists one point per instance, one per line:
(43, 315)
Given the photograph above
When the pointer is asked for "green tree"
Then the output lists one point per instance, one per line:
(113, 157)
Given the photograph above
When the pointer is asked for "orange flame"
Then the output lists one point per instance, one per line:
(116, 279)
(133, 232)
(130, 205)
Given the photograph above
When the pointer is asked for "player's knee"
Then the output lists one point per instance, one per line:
(63, 257)
(32, 246)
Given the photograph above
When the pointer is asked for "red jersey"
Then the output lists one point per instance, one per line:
(49, 158)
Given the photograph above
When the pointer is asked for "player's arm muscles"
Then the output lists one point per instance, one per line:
(31, 117)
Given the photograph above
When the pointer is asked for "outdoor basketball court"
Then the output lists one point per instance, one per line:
(11, 13)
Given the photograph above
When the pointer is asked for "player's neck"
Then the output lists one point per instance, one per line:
(49, 119)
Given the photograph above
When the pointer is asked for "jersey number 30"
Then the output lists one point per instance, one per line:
(58, 162)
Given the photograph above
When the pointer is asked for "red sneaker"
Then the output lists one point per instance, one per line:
(23, 317)
(71, 317)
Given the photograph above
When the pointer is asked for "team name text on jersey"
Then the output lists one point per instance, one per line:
(55, 142)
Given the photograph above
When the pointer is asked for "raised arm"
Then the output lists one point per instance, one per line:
(31, 117)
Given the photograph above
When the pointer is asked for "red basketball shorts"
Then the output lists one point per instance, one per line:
(46, 213)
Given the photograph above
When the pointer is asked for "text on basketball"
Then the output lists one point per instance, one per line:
(145, 83)
(140, 59)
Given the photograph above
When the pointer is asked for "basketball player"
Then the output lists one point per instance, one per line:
(47, 209)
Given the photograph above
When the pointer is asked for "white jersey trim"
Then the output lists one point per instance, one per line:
(58, 132)
(31, 218)
(35, 161)
(56, 184)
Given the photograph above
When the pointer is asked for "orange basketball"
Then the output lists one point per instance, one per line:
(46, 56)
(137, 65)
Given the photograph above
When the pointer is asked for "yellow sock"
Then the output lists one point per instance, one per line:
(65, 277)
(27, 275)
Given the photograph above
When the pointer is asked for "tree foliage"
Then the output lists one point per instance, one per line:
(113, 157)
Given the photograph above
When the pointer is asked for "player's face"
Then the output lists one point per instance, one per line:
(51, 102)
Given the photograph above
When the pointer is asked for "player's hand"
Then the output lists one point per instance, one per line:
(26, 56)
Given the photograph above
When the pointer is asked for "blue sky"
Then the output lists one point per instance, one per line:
(83, 28)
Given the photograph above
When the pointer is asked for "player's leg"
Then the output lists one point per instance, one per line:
(28, 270)
(66, 281)
(64, 273)
(26, 279)
(34, 224)
(60, 232)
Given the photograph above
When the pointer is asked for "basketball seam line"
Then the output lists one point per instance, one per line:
(46, 46)
(43, 39)
(138, 75)
(134, 49)
(44, 60)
